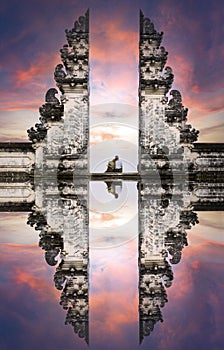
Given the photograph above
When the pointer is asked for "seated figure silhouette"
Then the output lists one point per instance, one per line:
(114, 165)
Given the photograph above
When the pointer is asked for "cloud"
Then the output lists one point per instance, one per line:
(23, 269)
(38, 69)
(211, 219)
(98, 136)
(110, 34)
(114, 69)
(26, 86)
(42, 289)
(30, 312)
(112, 131)
(104, 218)
(20, 232)
(194, 301)
(212, 133)
(114, 297)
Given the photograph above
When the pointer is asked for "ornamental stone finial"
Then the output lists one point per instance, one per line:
(75, 57)
(80, 29)
(82, 25)
(147, 28)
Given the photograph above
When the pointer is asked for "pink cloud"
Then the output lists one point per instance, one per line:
(114, 57)
(28, 85)
(24, 269)
(110, 314)
(114, 296)
(32, 280)
(100, 137)
(111, 43)
(195, 298)
(103, 217)
(40, 67)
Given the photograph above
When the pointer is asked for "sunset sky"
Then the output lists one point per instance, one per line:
(32, 34)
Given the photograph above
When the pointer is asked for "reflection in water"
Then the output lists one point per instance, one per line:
(156, 271)
(164, 216)
(62, 217)
(114, 187)
(63, 223)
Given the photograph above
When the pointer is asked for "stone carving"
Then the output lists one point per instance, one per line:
(152, 294)
(63, 132)
(81, 27)
(75, 56)
(52, 243)
(37, 220)
(147, 28)
(175, 111)
(175, 240)
(74, 297)
(159, 54)
(157, 112)
(37, 133)
(51, 98)
(59, 74)
(162, 238)
(176, 101)
(62, 219)
(155, 81)
(74, 66)
(76, 127)
(188, 134)
(168, 78)
(72, 80)
(52, 109)
(188, 219)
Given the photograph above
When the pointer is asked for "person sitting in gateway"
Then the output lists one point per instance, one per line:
(114, 166)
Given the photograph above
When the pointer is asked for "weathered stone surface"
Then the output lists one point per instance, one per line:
(16, 193)
(165, 141)
(62, 218)
(162, 118)
(61, 139)
(16, 157)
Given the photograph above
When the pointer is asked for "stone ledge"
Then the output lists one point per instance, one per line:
(16, 146)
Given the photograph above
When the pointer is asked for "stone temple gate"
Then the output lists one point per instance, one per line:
(49, 176)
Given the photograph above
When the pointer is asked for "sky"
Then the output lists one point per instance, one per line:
(32, 34)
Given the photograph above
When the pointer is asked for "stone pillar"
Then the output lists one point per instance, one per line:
(61, 215)
(164, 154)
(61, 138)
(163, 132)
(73, 81)
(154, 83)
(47, 136)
